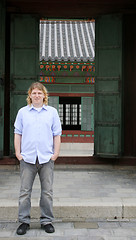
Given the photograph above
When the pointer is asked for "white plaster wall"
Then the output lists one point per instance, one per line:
(77, 149)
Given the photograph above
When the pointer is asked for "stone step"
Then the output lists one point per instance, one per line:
(72, 209)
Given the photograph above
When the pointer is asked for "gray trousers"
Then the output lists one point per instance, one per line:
(27, 174)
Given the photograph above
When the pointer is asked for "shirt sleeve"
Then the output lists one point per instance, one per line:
(56, 128)
(18, 123)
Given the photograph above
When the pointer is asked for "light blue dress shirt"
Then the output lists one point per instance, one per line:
(37, 127)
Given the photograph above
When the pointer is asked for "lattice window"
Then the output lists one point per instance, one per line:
(70, 113)
(61, 113)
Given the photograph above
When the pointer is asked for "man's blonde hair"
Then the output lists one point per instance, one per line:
(42, 88)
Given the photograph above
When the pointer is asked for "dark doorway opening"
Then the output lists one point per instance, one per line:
(70, 113)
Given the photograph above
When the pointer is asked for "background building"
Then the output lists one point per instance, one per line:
(67, 69)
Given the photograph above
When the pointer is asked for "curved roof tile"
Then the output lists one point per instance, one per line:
(67, 40)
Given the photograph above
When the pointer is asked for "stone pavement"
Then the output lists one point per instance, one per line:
(90, 230)
(102, 197)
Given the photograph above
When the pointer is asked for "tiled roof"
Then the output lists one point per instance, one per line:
(67, 40)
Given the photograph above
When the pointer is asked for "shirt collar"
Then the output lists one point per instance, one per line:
(32, 107)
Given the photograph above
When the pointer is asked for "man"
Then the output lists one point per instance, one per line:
(37, 144)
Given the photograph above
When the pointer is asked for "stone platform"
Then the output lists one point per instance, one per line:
(80, 192)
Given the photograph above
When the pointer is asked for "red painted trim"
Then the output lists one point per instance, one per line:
(77, 139)
(85, 83)
(123, 161)
(72, 94)
(9, 161)
(77, 132)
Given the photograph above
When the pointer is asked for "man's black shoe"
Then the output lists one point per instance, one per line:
(48, 228)
(22, 229)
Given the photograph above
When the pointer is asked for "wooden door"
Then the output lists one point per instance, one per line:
(24, 63)
(108, 87)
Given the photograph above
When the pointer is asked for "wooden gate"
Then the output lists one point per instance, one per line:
(108, 86)
(24, 63)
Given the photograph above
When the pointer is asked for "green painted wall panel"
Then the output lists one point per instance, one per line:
(70, 88)
(87, 113)
(70, 80)
(54, 102)
(81, 88)
(22, 84)
(108, 86)
(2, 71)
